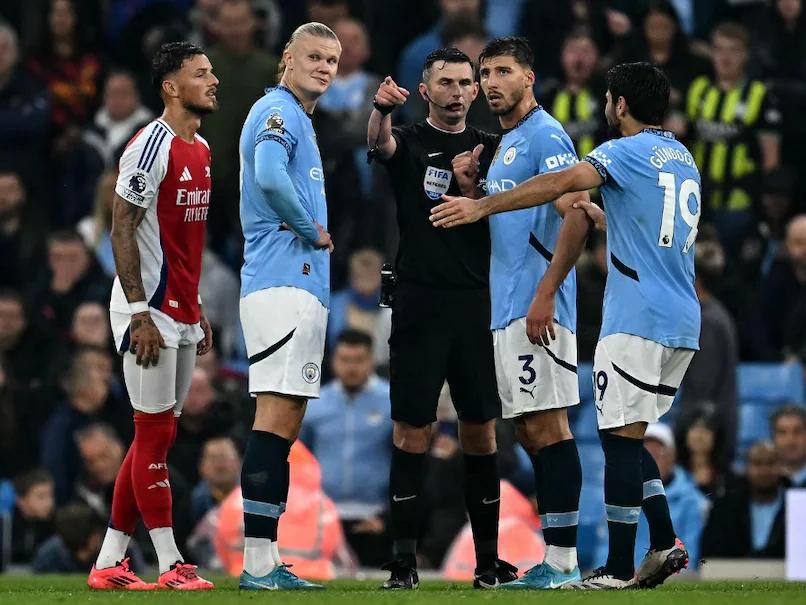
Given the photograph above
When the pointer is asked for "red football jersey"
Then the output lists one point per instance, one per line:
(171, 178)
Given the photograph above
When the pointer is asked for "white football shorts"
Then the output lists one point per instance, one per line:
(165, 386)
(531, 377)
(635, 379)
(284, 329)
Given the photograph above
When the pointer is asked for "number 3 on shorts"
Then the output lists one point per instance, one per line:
(527, 367)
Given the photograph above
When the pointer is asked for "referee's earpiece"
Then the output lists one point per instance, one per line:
(430, 100)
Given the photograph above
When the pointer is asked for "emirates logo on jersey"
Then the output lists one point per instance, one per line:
(197, 202)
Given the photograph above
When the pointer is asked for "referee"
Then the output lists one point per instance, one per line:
(440, 309)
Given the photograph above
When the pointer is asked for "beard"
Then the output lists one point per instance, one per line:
(199, 110)
(613, 128)
(503, 110)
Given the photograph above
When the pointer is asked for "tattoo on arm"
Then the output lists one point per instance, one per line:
(126, 217)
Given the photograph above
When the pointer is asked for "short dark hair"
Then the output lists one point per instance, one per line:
(644, 87)
(355, 338)
(26, 481)
(169, 58)
(66, 236)
(75, 523)
(461, 27)
(448, 55)
(732, 31)
(788, 410)
(13, 295)
(509, 46)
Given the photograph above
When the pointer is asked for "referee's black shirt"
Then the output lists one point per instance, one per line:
(420, 170)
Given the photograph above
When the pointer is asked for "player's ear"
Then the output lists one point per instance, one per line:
(169, 88)
(530, 78)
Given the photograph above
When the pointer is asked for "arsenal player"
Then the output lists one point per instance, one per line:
(159, 216)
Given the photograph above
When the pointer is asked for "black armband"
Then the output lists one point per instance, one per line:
(384, 109)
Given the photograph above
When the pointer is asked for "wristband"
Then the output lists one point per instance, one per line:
(384, 109)
(140, 306)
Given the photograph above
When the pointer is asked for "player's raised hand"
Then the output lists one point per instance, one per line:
(206, 343)
(390, 94)
(540, 319)
(324, 241)
(466, 169)
(455, 211)
(594, 213)
(146, 340)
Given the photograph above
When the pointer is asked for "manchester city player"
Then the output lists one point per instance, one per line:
(651, 316)
(536, 382)
(285, 283)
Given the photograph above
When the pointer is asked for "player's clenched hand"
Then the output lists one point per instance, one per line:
(594, 213)
(540, 319)
(456, 211)
(390, 94)
(146, 340)
(324, 241)
(466, 169)
(206, 343)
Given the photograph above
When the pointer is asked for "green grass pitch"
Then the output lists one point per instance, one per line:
(72, 590)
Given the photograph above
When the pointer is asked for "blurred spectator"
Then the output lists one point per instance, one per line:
(710, 381)
(86, 384)
(22, 231)
(662, 41)
(577, 101)
(32, 523)
(96, 228)
(687, 506)
(71, 277)
(66, 66)
(356, 307)
(789, 436)
(74, 548)
(749, 520)
(102, 454)
(27, 351)
(204, 416)
(220, 472)
(120, 116)
(220, 291)
(24, 111)
(91, 325)
(699, 447)
(410, 66)
(19, 414)
(734, 135)
(779, 326)
(785, 40)
(350, 433)
(592, 275)
(244, 72)
(341, 121)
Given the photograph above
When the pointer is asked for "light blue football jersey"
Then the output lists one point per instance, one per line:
(523, 240)
(273, 255)
(651, 197)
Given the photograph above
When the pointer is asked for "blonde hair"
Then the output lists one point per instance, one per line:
(315, 29)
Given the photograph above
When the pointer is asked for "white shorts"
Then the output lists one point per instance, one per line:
(284, 329)
(635, 379)
(165, 386)
(532, 378)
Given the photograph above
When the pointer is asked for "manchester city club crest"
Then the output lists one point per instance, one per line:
(275, 122)
(310, 372)
(436, 182)
(137, 183)
(509, 156)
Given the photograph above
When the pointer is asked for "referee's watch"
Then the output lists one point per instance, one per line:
(384, 109)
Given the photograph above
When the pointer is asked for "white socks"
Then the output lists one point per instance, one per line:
(113, 549)
(260, 556)
(563, 558)
(165, 545)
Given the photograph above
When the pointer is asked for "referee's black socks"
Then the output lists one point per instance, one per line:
(655, 505)
(483, 501)
(623, 496)
(405, 502)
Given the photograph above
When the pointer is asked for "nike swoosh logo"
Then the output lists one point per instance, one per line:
(485, 501)
(399, 499)
(435, 154)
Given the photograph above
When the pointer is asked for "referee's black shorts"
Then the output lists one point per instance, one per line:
(438, 335)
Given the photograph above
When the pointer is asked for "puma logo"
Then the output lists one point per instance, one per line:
(530, 391)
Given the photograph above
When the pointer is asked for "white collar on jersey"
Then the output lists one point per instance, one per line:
(431, 124)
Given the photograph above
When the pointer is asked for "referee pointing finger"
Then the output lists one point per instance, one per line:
(440, 308)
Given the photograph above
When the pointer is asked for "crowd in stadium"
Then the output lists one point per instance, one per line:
(74, 89)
